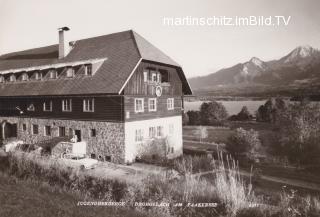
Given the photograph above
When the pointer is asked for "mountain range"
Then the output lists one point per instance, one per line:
(298, 71)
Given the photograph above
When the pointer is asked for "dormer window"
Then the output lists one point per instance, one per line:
(38, 76)
(24, 77)
(70, 72)
(53, 74)
(88, 69)
(12, 78)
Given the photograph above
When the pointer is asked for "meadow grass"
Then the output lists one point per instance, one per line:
(234, 197)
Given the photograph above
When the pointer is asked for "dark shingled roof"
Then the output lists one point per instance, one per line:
(123, 51)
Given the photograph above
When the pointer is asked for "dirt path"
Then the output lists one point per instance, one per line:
(285, 181)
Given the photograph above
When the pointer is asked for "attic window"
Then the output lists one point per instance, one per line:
(88, 69)
(24, 77)
(12, 78)
(164, 75)
(53, 74)
(70, 72)
(38, 76)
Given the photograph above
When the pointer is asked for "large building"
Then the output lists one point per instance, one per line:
(117, 93)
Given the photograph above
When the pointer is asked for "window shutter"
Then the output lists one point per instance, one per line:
(145, 76)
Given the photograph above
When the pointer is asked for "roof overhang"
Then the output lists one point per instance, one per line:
(54, 65)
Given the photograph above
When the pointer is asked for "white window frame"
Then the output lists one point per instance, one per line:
(159, 133)
(170, 103)
(145, 76)
(32, 130)
(152, 132)
(53, 72)
(154, 76)
(24, 77)
(136, 110)
(59, 131)
(50, 108)
(65, 105)
(155, 104)
(70, 72)
(12, 78)
(86, 67)
(45, 130)
(86, 105)
(38, 76)
(139, 135)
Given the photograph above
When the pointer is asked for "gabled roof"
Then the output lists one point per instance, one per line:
(122, 52)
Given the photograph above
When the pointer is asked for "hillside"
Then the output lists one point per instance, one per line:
(297, 71)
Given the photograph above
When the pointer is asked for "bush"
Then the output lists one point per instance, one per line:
(245, 142)
(243, 115)
(194, 117)
(213, 113)
(271, 110)
(299, 129)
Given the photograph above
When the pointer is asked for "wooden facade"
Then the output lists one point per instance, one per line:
(106, 108)
(113, 108)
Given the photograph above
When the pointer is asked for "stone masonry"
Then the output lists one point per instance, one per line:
(108, 142)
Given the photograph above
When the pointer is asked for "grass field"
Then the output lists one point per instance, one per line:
(25, 198)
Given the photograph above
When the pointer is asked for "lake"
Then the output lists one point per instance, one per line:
(233, 107)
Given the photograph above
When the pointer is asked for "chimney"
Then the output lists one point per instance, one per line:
(63, 42)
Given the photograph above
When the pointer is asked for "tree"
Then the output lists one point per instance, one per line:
(244, 142)
(243, 115)
(194, 117)
(213, 113)
(271, 110)
(299, 129)
(185, 119)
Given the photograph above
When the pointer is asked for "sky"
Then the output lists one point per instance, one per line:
(200, 50)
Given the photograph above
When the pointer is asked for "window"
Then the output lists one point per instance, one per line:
(170, 103)
(139, 105)
(159, 131)
(107, 158)
(12, 78)
(145, 76)
(35, 129)
(24, 127)
(38, 76)
(1, 79)
(31, 107)
(88, 105)
(47, 106)
(88, 69)
(53, 74)
(171, 129)
(139, 135)
(93, 156)
(171, 150)
(70, 72)
(25, 77)
(62, 131)
(152, 104)
(93, 133)
(152, 132)
(154, 77)
(66, 105)
(47, 130)
(164, 75)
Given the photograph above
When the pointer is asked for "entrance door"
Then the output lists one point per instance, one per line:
(78, 133)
